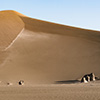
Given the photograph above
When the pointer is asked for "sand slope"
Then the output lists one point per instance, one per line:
(10, 26)
(44, 52)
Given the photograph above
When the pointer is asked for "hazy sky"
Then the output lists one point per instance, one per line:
(79, 13)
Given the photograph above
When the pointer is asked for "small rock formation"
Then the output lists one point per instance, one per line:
(88, 77)
(97, 78)
(84, 80)
(21, 82)
(9, 83)
(92, 77)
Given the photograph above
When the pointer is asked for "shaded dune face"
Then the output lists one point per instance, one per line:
(52, 28)
(45, 52)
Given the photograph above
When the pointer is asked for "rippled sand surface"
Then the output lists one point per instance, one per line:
(81, 91)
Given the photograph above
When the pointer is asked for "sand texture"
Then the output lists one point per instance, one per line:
(41, 52)
(82, 91)
(50, 58)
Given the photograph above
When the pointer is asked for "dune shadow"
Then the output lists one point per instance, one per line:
(67, 82)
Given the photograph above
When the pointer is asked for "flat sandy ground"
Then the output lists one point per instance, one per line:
(79, 91)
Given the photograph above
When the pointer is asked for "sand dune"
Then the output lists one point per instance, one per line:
(43, 52)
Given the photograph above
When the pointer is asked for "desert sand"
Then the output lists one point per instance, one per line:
(44, 55)
(89, 91)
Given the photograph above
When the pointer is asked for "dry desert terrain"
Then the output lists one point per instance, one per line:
(47, 56)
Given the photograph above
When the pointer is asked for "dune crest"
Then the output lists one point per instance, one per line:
(42, 52)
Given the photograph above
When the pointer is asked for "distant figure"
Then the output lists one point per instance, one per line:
(88, 77)
(21, 82)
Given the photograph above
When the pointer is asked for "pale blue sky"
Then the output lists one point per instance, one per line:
(78, 13)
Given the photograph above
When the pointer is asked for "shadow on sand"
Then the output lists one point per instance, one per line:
(67, 82)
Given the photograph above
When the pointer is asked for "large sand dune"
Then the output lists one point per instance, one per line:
(43, 52)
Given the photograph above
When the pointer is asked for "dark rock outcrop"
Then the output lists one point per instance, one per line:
(21, 82)
(88, 77)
